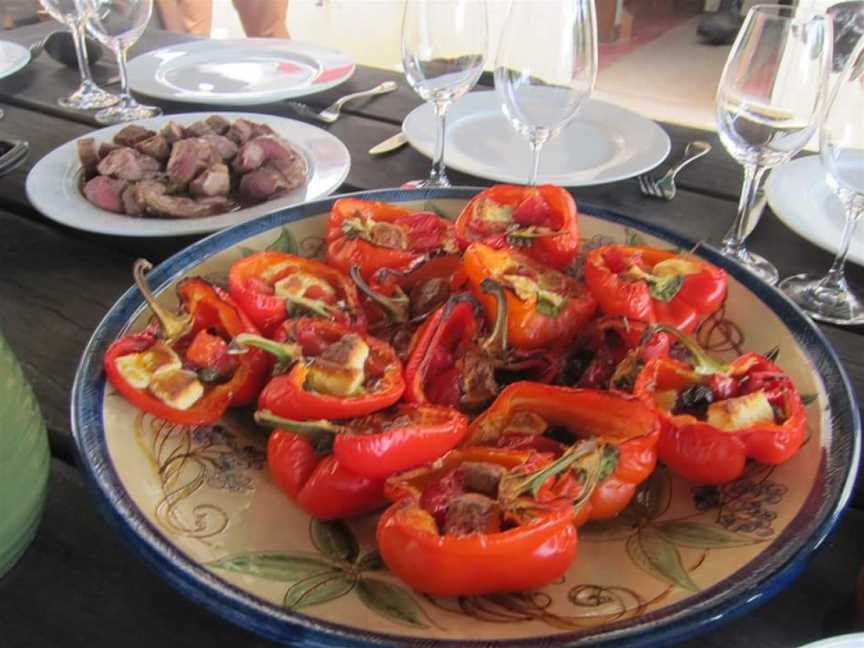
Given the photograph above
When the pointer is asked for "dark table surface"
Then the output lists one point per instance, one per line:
(79, 585)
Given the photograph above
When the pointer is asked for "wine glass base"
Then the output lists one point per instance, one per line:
(119, 114)
(426, 184)
(88, 97)
(822, 302)
(758, 265)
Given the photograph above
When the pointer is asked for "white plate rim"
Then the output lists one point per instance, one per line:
(464, 164)
(142, 71)
(68, 207)
(788, 197)
(22, 60)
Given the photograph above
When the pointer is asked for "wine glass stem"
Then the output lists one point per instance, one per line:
(78, 38)
(836, 277)
(125, 98)
(536, 146)
(439, 171)
(733, 242)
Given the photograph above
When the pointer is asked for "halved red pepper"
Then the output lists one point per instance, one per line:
(302, 344)
(273, 286)
(524, 411)
(207, 322)
(374, 235)
(542, 222)
(654, 286)
(380, 444)
(545, 307)
(614, 352)
(317, 482)
(508, 541)
(716, 416)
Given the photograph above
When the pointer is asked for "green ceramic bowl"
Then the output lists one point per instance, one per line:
(24, 460)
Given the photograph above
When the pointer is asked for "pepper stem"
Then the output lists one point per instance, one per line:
(532, 482)
(703, 363)
(496, 343)
(320, 433)
(286, 353)
(173, 326)
(397, 309)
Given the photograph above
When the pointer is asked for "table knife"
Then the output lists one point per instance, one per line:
(390, 144)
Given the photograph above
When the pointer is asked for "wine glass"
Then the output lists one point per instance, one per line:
(768, 105)
(546, 67)
(842, 152)
(88, 95)
(443, 48)
(117, 24)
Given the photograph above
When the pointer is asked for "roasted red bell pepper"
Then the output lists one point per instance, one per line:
(629, 428)
(273, 286)
(334, 373)
(613, 353)
(545, 307)
(185, 357)
(654, 286)
(380, 444)
(470, 524)
(542, 222)
(317, 482)
(374, 235)
(716, 416)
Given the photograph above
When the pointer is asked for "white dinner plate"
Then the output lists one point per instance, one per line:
(13, 57)
(800, 196)
(53, 185)
(242, 72)
(604, 143)
(855, 640)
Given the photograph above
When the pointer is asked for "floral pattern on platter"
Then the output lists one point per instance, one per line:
(674, 540)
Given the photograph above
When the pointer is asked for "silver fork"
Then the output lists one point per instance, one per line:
(664, 188)
(331, 113)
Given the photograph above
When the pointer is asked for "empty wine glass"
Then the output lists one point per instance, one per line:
(117, 24)
(88, 95)
(829, 298)
(769, 103)
(546, 67)
(443, 48)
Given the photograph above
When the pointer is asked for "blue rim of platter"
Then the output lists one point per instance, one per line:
(762, 578)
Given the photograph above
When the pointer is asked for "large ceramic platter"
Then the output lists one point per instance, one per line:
(244, 72)
(199, 506)
(54, 183)
(603, 143)
(800, 196)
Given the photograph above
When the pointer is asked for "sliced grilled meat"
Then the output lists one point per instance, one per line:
(218, 124)
(132, 135)
(88, 155)
(156, 147)
(106, 147)
(241, 131)
(214, 181)
(128, 164)
(262, 184)
(189, 157)
(226, 148)
(199, 128)
(173, 132)
(158, 203)
(105, 192)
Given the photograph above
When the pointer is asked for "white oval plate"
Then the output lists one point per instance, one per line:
(13, 57)
(241, 72)
(800, 196)
(53, 184)
(604, 143)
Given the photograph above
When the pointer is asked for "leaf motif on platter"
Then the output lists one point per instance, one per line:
(276, 566)
(245, 251)
(654, 495)
(319, 588)
(334, 540)
(284, 243)
(371, 561)
(656, 555)
(699, 535)
(391, 601)
(620, 527)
